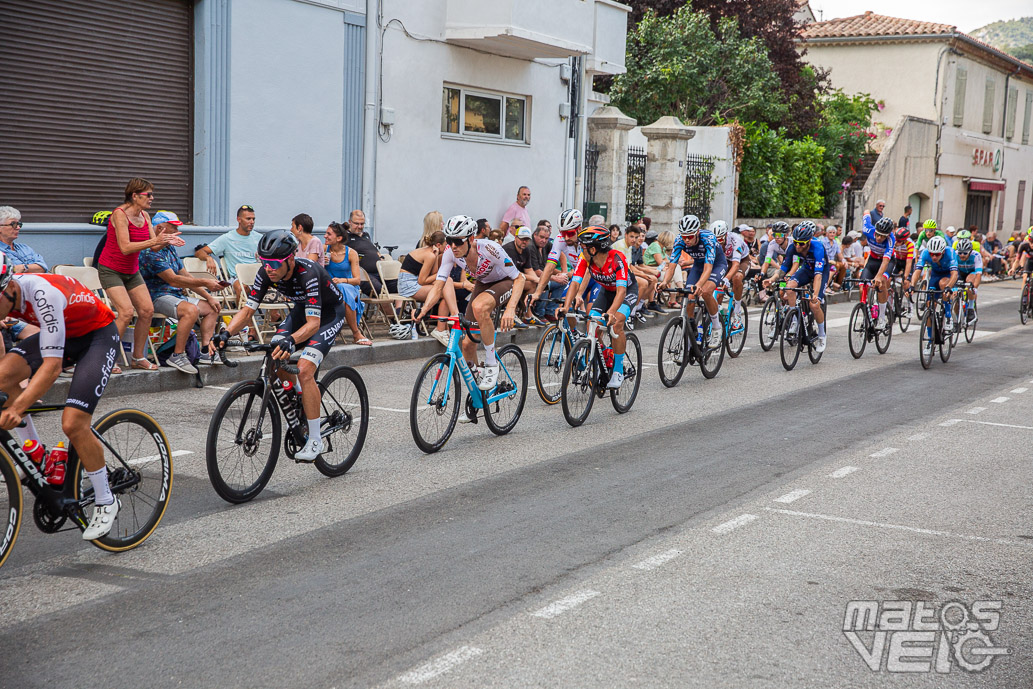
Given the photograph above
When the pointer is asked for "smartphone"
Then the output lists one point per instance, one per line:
(224, 284)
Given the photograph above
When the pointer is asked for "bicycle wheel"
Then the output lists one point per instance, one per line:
(1024, 302)
(858, 336)
(884, 335)
(141, 443)
(548, 364)
(623, 398)
(434, 405)
(713, 357)
(970, 326)
(921, 299)
(948, 343)
(672, 356)
(903, 310)
(10, 506)
(735, 337)
(927, 338)
(502, 415)
(345, 410)
(239, 462)
(768, 330)
(789, 345)
(580, 378)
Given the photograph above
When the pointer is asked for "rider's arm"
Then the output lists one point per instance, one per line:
(254, 298)
(51, 345)
(444, 273)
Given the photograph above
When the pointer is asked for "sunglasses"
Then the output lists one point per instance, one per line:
(148, 194)
(801, 243)
(936, 255)
(15, 224)
(273, 263)
(246, 208)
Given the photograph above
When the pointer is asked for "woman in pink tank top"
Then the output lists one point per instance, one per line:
(129, 233)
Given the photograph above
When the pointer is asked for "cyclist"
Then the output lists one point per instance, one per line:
(708, 268)
(619, 293)
(928, 231)
(737, 254)
(813, 267)
(880, 250)
(497, 282)
(317, 314)
(902, 262)
(562, 259)
(942, 264)
(966, 234)
(774, 251)
(970, 270)
(1025, 249)
(77, 329)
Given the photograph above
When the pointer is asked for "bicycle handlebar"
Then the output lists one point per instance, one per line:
(466, 325)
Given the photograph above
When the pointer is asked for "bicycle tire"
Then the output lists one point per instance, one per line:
(345, 399)
(11, 505)
(946, 347)
(956, 316)
(437, 365)
(927, 335)
(144, 504)
(768, 319)
(857, 337)
(219, 471)
(632, 375)
(789, 340)
(672, 354)
(517, 370)
(579, 373)
(1024, 302)
(970, 327)
(903, 317)
(884, 335)
(735, 343)
(707, 366)
(554, 346)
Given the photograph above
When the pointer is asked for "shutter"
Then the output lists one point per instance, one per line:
(1011, 107)
(95, 92)
(1026, 117)
(960, 81)
(988, 106)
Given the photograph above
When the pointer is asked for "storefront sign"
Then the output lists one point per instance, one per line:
(982, 157)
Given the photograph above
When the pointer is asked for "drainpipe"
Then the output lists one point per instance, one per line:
(369, 122)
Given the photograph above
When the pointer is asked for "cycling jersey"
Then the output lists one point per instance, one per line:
(492, 263)
(775, 253)
(612, 274)
(62, 307)
(904, 250)
(947, 263)
(972, 264)
(307, 284)
(705, 250)
(976, 246)
(925, 235)
(814, 259)
(559, 248)
(735, 248)
(877, 249)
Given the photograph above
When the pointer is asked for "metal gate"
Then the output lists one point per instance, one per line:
(636, 193)
(699, 186)
(591, 165)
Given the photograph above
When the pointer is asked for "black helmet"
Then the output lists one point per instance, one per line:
(804, 232)
(780, 227)
(885, 226)
(278, 244)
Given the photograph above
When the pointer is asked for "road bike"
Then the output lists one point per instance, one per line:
(902, 304)
(864, 320)
(798, 331)
(434, 405)
(589, 366)
(678, 349)
(1026, 300)
(933, 328)
(736, 325)
(771, 317)
(243, 443)
(961, 319)
(139, 465)
(549, 357)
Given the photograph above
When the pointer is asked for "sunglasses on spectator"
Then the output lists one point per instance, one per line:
(148, 194)
(246, 208)
(272, 263)
(15, 224)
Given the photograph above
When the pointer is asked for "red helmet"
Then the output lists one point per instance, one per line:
(903, 233)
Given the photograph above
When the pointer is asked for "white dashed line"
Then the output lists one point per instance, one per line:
(440, 666)
(951, 422)
(1000, 400)
(153, 458)
(1019, 391)
(732, 524)
(564, 604)
(793, 496)
(918, 436)
(884, 452)
(976, 410)
(840, 473)
(400, 411)
(216, 387)
(1003, 425)
(651, 563)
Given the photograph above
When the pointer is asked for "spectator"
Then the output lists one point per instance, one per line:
(432, 222)
(647, 222)
(358, 240)
(876, 213)
(416, 278)
(357, 225)
(520, 251)
(615, 233)
(836, 258)
(541, 246)
(646, 277)
(129, 233)
(483, 228)
(234, 247)
(516, 215)
(165, 277)
(905, 220)
(653, 255)
(309, 246)
(623, 245)
(853, 255)
(498, 236)
(596, 220)
(25, 259)
(995, 250)
(343, 268)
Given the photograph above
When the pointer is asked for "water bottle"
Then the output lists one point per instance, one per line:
(608, 357)
(35, 450)
(57, 463)
(293, 396)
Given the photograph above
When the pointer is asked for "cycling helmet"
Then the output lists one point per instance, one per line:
(460, 227)
(596, 236)
(719, 228)
(571, 220)
(100, 218)
(780, 228)
(884, 226)
(278, 244)
(804, 232)
(903, 233)
(1029, 232)
(936, 245)
(963, 246)
(964, 234)
(688, 226)
(401, 331)
(6, 271)
(929, 224)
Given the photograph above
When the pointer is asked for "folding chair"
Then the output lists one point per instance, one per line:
(246, 273)
(388, 270)
(388, 314)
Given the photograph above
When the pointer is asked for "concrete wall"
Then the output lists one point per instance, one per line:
(906, 166)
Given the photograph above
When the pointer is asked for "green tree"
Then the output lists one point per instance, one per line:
(843, 134)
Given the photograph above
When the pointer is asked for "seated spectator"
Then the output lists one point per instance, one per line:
(25, 259)
(359, 241)
(309, 246)
(615, 233)
(483, 228)
(343, 268)
(234, 247)
(165, 277)
(623, 245)
(853, 255)
(596, 220)
(497, 236)
(541, 246)
(653, 254)
(416, 278)
(646, 277)
(14, 330)
(432, 222)
(993, 253)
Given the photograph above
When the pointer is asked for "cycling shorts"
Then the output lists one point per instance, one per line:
(605, 299)
(935, 277)
(963, 274)
(805, 276)
(500, 291)
(318, 346)
(897, 266)
(93, 356)
(717, 275)
(871, 268)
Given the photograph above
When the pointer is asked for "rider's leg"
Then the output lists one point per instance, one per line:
(482, 307)
(737, 289)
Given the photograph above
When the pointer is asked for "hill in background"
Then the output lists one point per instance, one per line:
(1014, 36)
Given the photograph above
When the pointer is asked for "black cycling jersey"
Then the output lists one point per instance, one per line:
(308, 284)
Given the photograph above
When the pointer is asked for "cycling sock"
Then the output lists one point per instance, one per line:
(489, 355)
(821, 329)
(313, 428)
(715, 321)
(101, 490)
(29, 432)
(618, 363)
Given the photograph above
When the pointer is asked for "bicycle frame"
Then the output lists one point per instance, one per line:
(456, 360)
(726, 309)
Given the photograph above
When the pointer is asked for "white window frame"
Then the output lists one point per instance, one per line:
(499, 138)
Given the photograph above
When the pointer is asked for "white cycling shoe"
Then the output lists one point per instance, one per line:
(101, 522)
(616, 380)
(312, 449)
(819, 344)
(714, 339)
(489, 377)
(880, 322)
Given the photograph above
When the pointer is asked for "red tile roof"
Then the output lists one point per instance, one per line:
(871, 24)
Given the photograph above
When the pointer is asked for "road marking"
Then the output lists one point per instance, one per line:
(793, 496)
(153, 458)
(564, 604)
(898, 527)
(918, 436)
(400, 411)
(663, 558)
(216, 387)
(1019, 391)
(840, 473)
(444, 664)
(951, 422)
(976, 410)
(1003, 425)
(1000, 400)
(884, 452)
(732, 524)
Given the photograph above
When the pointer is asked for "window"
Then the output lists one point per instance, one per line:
(483, 115)
(960, 81)
(988, 106)
(1010, 109)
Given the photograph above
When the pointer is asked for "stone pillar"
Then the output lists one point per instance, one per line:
(666, 153)
(608, 130)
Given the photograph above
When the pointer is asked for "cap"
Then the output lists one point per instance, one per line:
(165, 217)
(742, 227)
(523, 232)
(854, 234)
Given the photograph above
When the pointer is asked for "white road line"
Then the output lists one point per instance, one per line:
(884, 452)
(918, 436)
(646, 363)
(898, 527)
(663, 558)
(1003, 425)
(1000, 400)
(400, 411)
(1019, 391)
(732, 524)
(793, 496)
(840, 473)
(153, 458)
(216, 387)
(976, 410)
(951, 422)
(440, 666)
(564, 604)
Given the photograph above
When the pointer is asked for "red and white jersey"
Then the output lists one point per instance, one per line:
(61, 307)
(491, 263)
(612, 274)
(560, 247)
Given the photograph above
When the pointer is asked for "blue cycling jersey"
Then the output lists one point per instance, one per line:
(814, 259)
(972, 264)
(706, 249)
(947, 263)
(877, 249)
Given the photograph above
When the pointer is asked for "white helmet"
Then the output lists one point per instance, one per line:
(570, 220)
(689, 225)
(936, 245)
(719, 228)
(460, 227)
(401, 331)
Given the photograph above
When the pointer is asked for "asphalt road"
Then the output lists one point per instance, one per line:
(711, 537)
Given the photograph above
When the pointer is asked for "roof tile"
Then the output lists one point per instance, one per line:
(871, 24)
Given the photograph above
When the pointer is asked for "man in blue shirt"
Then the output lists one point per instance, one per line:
(709, 266)
(813, 268)
(942, 264)
(25, 258)
(236, 246)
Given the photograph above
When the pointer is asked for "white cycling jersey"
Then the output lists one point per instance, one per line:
(493, 263)
(559, 248)
(736, 248)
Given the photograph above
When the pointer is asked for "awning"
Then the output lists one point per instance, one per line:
(984, 184)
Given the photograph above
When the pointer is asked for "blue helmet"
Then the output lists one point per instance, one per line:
(804, 232)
